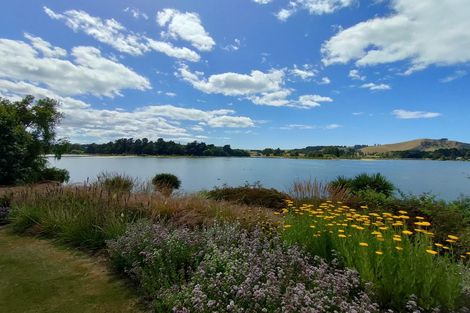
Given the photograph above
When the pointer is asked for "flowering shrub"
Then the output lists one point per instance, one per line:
(226, 269)
(399, 260)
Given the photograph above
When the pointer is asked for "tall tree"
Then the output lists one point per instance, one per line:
(27, 133)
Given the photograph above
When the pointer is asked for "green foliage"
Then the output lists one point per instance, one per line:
(116, 183)
(396, 273)
(84, 217)
(253, 195)
(365, 182)
(166, 183)
(27, 133)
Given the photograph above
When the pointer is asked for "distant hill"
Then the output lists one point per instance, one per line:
(417, 145)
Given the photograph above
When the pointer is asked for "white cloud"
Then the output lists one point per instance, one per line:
(111, 32)
(262, 88)
(354, 74)
(235, 46)
(89, 73)
(324, 81)
(82, 123)
(170, 94)
(45, 47)
(422, 32)
(404, 114)
(332, 126)
(234, 84)
(172, 51)
(307, 127)
(358, 113)
(456, 75)
(186, 26)
(305, 71)
(314, 7)
(136, 13)
(262, 1)
(374, 86)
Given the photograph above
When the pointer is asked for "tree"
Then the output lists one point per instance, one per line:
(165, 183)
(27, 133)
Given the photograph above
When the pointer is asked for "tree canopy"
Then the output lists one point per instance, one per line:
(27, 134)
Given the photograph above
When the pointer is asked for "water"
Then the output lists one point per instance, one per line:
(446, 179)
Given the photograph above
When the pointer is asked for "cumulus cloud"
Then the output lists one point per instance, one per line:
(83, 123)
(45, 47)
(113, 33)
(421, 32)
(305, 72)
(374, 86)
(324, 81)
(262, 88)
(314, 7)
(354, 74)
(262, 1)
(406, 115)
(186, 26)
(89, 73)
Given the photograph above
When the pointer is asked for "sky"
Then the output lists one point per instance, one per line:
(249, 73)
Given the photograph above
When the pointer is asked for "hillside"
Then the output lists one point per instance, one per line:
(418, 145)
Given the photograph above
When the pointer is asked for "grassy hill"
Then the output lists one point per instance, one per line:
(417, 144)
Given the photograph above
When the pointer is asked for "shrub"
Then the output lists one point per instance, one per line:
(166, 183)
(55, 174)
(363, 182)
(253, 195)
(399, 261)
(225, 268)
(116, 183)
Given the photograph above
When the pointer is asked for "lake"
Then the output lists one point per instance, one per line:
(446, 179)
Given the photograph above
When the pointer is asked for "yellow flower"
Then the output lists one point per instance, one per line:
(419, 218)
(402, 212)
(467, 253)
(312, 226)
(453, 237)
(439, 245)
(363, 244)
(432, 252)
(342, 236)
(379, 252)
(397, 239)
(451, 241)
(398, 248)
(287, 226)
(407, 232)
(423, 223)
(383, 228)
(276, 213)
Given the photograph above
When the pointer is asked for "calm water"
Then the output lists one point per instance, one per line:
(446, 179)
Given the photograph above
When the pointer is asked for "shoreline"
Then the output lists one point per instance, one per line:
(251, 157)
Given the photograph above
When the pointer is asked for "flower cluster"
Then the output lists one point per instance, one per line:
(228, 269)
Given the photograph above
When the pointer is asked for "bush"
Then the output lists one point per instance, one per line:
(253, 195)
(54, 174)
(225, 268)
(116, 183)
(166, 183)
(315, 191)
(363, 182)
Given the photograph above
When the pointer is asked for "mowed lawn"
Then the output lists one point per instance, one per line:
(38, 276)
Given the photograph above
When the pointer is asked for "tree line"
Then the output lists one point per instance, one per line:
(145, 146)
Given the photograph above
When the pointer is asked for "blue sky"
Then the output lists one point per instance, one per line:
(250, 73)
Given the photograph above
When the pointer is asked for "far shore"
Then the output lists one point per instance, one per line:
(253, 156)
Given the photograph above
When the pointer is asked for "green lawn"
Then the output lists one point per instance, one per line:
(38, 276)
